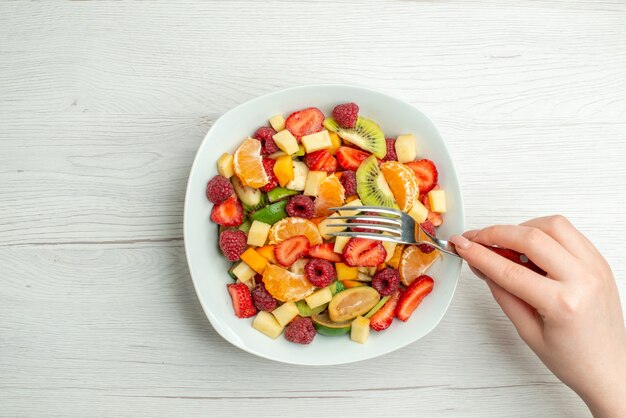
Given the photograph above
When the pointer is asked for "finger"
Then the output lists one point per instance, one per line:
(536, 290)
(521, 314)
(478, 273)
(538, 246)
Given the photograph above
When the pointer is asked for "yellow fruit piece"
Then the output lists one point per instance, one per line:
(292, 226)
(390, 247)
(243, 272)
(286, 141)
(277, 122)
(349, 284)
(266, 323)
(285, 313)
(352, 198)
(285, 285)
(340, 243)
(225, 165)
(319, 298)
(437, 201)
(406, 148)
(354, 202)
(255, 260)
(267, 251)
(394, 260)
(345, 272)
(325, 229)
(360, 330)
(335, 142)
(331, 194)
(313, 181)
(418, 211)
(317, 141)
(257, 235)
(284, 169)
(248, 164)
(402, 182)
(414, 263)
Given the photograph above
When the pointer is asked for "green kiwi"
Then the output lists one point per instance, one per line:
(366, 135)
(371, 185)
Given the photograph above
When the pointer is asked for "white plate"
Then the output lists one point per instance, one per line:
(209, 268)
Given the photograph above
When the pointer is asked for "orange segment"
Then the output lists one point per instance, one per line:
(331, 193)
(414, 263)
(248, 164)
(402, 182)
(285, 285)
(290, 227)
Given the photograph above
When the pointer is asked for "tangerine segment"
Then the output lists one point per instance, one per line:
(290, 227)
(331, 194)
(402, 182)
(285, 285)
(248, 164)
(414, 263)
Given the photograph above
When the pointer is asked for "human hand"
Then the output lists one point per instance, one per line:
(572, 319)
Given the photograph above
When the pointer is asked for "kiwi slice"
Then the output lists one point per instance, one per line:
(366, 135)
(371, 185)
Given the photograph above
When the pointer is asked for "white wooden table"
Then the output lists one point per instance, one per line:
(103, 105)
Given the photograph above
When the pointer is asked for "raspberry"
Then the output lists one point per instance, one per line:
(346, 114)
(348, 181)
(233, 243)
(264, 134)
(262, 299)
(320, 273)
(391, 150)
(300, 330)
(218, 189)
(268, 165)
(300, 206)
(430, 228)
(386, 281)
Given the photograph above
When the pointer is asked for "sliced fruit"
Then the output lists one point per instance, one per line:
(334, 141)
(267, 251)
(313, 181)
(426, 174)
(243, 272)
(255, 260)
(390, 247)
(317, 141)
(276, 154)
(300, 172)
(277, 122)
(402, 182)
(349, 284)
(325, 230)
(382, 319)
(350, 158)
(437, 201)
(360, 330)
(377, 307)
(345, 212)
(291, 250)
(418, 211)
(306, 311)
(330, 194)
(345, 272)
(372, 186)
(415, 263)
(305, 122)
(406, 148)
(413, 296)
(251, 198)
(351, 303)
(280, 193)
(290, 227)
(336, 287)
(286, 142)
(225, 165)
(266, 323)
(284, 285)
(319, 297)
(325, 326)
(363, 252)
(340, 244)
(248, 164)
(271, 213)
(283, 169)
(394, 261)
(285, 313)
(325, 252)
(245, 226)
(366, 135)
(321, 160)
(242, 300)
(299, 265)
(228, 213)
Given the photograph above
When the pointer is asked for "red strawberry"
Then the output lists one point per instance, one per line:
(291, 250)
(321, 160)
(350, 158)
(426, 174)
(363, 252)
(268, 166)
(242, 300)
(325, 252)
(382, 319)
(228, 213)
(305, 122)
(413, 296)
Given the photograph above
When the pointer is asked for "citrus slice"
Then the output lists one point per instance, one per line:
(402, 182)
(331, 194)
(414, 263)
(290, 227)
(285, 285)
(248, 164)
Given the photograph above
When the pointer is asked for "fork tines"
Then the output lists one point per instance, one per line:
(388, 222)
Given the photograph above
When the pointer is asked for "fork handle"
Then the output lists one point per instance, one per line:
(517, 258)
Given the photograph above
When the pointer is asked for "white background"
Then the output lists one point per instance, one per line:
(103, 104)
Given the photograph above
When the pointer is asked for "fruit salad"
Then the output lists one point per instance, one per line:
(272, 200)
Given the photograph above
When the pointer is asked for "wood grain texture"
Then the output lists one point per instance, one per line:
(103, 104)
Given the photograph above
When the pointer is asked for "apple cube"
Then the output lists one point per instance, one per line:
(267, 324)
(437, 201)
(319, 297)
(406, 148)
(285, 313)
(317, 141)
(325, 229)
(418, 212)
(286, 141)
(340, 243)
(390, 247)
(300, 172)
(225, 165)
(313, 180)
(360, 330)
(257, 235)
(243, 272)
(277, 122)
(356, 202)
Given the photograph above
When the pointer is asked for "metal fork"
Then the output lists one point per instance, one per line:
(396, 226)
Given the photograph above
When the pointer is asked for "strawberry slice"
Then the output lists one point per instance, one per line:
(321, 160)
(363, 252)
(426, 174)
(242, 300)
(305, 122)
(291, 250)
(325, 252)
(228, 213)
(413, 296)
(382, 319)
(350, 158)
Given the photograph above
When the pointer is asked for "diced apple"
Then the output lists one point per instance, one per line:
(418, 212)
(285, 313)
(390, 247)
(340, 242)
(225, 165)
(277, 122)
(437, 201)
(283, 168)
(319, 297)
(266, 323)
(325, 229)
(257, 235)
(286, 141)
(356, 202)
(313, 180)
(317, 141)
(243, 272)
(300, 172)
(406, 149)
(360, 330)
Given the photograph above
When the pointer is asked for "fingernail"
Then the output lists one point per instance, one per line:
(460, 241)
(471, 234)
